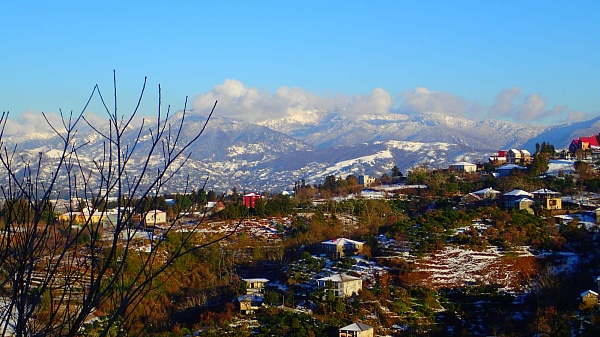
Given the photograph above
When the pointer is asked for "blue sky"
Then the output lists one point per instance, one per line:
(528, 61)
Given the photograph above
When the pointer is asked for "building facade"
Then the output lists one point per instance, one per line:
(341, 285)
(340, 247)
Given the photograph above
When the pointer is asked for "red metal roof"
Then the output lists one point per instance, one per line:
(592, 140)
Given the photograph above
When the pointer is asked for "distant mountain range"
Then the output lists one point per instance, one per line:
(272, 155)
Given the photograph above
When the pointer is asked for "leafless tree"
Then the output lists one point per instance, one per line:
(54, 275)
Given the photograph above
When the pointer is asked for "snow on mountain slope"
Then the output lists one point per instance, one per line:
(312, 144)
(562, 135)
(335, 129)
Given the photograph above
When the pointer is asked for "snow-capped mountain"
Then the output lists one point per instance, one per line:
(273, 154)
(334, 129)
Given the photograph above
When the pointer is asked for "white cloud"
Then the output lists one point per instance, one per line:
(509, 105)
(377, 102)
(32, 122)
(239, 101)
(424, 100)
(578, 116)
(251, 104)
(504, 103)
(29, 122)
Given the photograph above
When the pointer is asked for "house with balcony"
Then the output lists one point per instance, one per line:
(548, 199)
(255, 285)
(341, 285)
(519, 199)
(518, 157)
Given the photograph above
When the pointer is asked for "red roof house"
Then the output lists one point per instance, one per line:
(584, 143)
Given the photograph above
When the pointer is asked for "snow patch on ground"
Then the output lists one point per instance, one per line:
(457, 267)
(560, 165)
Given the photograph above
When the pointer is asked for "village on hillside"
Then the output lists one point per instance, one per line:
(507, 247)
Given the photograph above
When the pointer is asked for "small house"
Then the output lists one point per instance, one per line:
(524, 204)
(518, 199)
(255, 285)
(506, 169)
(154, 217)
(341, 285)
(589, 299)
(487, 193)
(250, 303)
(214, 206)
(86, 215)
(548, 199)
(366, 181)
(250, 199)
(463, 167)
(357, 330)
(340, 247)
(499, 158)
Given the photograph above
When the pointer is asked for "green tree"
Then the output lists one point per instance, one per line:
(540, 164)
(212, 195)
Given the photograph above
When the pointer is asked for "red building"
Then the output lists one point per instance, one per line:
(250, 199)
(584, 143)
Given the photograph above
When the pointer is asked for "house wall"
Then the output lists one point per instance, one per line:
(250, 200)
(354, 248)
(526, 206)
(349, 288)
(155, 217)
(553, 203)
(590, 300)
(341, 250)
(464, 168)
(246, 307)
(79, 218)
(365, 180)
(250, 303)
(252, 287)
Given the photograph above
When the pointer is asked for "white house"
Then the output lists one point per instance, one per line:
(342, 285)
(463, 167)
(255, 285)
(155, 217)
(487, 193)
(357, 330)
(518, 157)
(366, 181)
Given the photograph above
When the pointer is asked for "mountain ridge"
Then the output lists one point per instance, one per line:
(273, 154)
